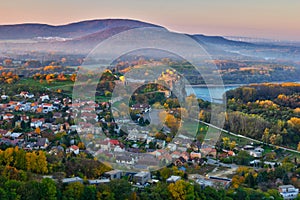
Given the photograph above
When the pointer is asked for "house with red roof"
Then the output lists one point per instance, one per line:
(8, 116)
(74, 149)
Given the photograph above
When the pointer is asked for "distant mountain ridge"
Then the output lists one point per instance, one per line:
(82, 37)
(72, 30)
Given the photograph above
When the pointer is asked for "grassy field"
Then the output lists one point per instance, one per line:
(55, 84)
(66, 87)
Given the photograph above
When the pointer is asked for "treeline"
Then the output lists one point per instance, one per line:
(263, 91)
(15, 159)
(267, 112)
(48, 189)
(265, 179)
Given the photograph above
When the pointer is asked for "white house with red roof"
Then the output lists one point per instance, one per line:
(35, 122)
(74, 149)
(44, 97)
(8, 116)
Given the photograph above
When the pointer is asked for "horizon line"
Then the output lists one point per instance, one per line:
(145, 21)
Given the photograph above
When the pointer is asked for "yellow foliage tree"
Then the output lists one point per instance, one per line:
(172, 122)
(8, 156)
(81, 145)
(232, 145)
(41, 163)
(294, 122)
(226, 141)
(181, 190)
(31, 159)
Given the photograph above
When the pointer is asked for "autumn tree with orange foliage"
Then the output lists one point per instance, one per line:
(38, 130)
(8, 77)
(61, 77)
(73, 77)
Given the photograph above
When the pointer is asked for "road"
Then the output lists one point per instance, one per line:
(248, 138)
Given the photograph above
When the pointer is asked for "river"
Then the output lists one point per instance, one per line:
(207, 93)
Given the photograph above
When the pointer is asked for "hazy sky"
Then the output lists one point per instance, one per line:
(257, 18)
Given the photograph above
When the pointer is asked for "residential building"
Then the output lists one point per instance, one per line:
(173, 179)
(288, 192)
(98, 181)
(142, 177)
(72, 180)
(74, 149)
(113, 174)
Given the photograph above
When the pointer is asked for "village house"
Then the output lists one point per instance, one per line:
(141, 107)
(160, 144)
(171, 147)
(180, 161)
(35, 122)
(119, 149)
(209, 151)
(194, 155)
(98, 181)
(72, 180)
(125, 159)
(135, 135)
(47, 107)
(213, 181)
(44, 97)
(42, 143)
(142, 177)
(255, 152)
(105, 145)
(15, 135)
(148, 160)
(288, 192)
(8, 116)
(113, 174)
(173, 179)
(73, 149)
(4, 97)
(26, 95)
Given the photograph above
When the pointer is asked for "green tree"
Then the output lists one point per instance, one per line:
(11, 187)
(121, 189)
(165, 173)
(89, 192)
(73, 191)
(241, 194)
(211, 193)
(250, 180)
(243, 158)
(31, 190)
(159, 192)
(275, 194)
(3, 195)
(49, 189)
(286, 179)
(104, 192)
